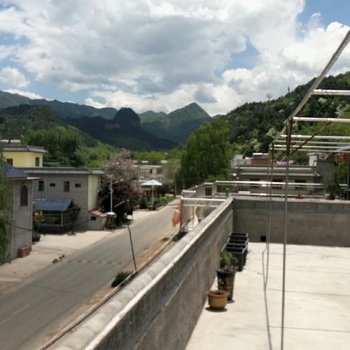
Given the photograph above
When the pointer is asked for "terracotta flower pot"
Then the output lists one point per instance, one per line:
(217, 299)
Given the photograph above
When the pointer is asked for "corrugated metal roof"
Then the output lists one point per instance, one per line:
(52, 204)
(13, 173)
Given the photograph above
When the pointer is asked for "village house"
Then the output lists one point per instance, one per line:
(66, 197)
(18, 212)
(22, 156)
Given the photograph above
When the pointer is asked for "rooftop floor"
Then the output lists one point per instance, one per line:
(317, 300)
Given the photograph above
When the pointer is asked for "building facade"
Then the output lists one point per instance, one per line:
(22, 156)
(81, 186)
(20, 194)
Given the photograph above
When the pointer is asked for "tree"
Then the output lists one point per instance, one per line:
(124, 198)
(207, 154)
(152, 157)
(120, 173)
(65, 145)
(120, 167)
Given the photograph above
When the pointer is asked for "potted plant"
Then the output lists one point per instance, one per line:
(226, 272)
(217, 299)
(331, 187)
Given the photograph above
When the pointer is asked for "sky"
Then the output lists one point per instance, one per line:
(163, 55)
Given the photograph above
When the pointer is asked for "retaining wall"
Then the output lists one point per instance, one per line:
(160, 307)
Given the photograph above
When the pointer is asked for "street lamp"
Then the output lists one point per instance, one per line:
(113, 215)
(110, 187)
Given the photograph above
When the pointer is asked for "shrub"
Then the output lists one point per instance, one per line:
(121, 277)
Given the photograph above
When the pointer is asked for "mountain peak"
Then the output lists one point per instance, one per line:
(127, 116)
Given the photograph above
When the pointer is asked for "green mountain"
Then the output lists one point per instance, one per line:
(16, 121)
(63, 109)
(74, 110)
(253, 125)
(177, 125)
(11, 100)
(124, 130)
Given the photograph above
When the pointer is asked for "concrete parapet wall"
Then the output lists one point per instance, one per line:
(160, 307)
(310, 222)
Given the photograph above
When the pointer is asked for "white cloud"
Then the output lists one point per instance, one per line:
(12, 77)
(28, 94)
(151, 54)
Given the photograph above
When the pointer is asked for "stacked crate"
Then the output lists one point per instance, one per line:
(237, 244)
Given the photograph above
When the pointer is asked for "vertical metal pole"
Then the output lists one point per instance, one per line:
(268, 233)
(111, 196)
(288, 140)
(348, 182)
(132, 247)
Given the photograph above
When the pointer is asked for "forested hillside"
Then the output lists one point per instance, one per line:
(124, 130)
(40, 126)
(62, 109)
(253, 125)
(177, 125)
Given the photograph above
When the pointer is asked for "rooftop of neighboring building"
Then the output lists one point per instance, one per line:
(17, 146)
(13, 173)
(63, 171)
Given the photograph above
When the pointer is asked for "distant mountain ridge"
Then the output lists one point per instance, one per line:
(177, 125)
(123, 128)
(63, 109)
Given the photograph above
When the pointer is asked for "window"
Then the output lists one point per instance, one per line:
(208, 192)
(66, 186)
(77, 185)
(37, 161)
(41, 186)
(9, 161)
(24, 196)
(52, 184)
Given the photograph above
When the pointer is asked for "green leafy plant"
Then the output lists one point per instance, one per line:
(121, 277)
(228, 261)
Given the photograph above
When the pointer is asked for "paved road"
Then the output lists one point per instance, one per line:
(34, 309)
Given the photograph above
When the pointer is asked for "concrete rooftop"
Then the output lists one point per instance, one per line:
(317, 313)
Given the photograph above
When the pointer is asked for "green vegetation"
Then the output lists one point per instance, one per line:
(123, 131)
(40, 126)
(121, 277)
(177, 125)
(151, 157)
(66, 146)
(227, 261)
(151, 135)
(253, 125)
(207, 154)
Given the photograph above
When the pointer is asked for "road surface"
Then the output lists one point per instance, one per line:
(33, 312)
